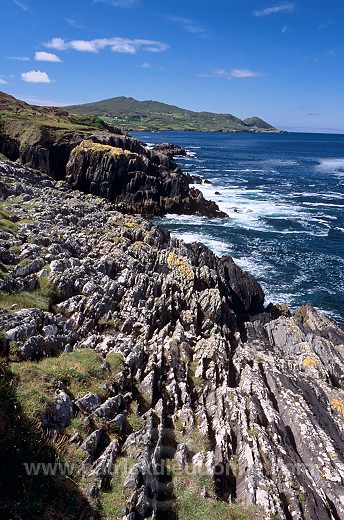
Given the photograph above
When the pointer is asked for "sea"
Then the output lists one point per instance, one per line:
(284, 197)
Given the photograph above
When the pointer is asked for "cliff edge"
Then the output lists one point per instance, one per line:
(149, 375)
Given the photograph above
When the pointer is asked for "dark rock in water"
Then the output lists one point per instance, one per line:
(149, 184)
(217, 193)
(206, 181)
(196, 179)
(170, 149)
(185, 364)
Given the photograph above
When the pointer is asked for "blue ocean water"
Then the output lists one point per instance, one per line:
(284, 195)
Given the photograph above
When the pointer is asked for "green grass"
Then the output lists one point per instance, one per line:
(9, 223)
(115, 499)
(195, 440)
(24, 300)
(191, 505)
(134, 420)
(81, 371)
(24, 441)
(42, 298)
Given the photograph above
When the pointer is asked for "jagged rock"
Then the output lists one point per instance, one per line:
(146, 183)
(278, 309)
(253, 397)
(61, 410)
(88, 403)
(170, 149)
(109, 409)
(102, 468)
(92, 442)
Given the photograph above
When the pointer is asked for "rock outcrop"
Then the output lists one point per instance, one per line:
(98, 158)
(210, 383)
(170, 149)
(146, 182)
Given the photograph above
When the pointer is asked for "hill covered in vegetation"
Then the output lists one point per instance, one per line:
(130, 114)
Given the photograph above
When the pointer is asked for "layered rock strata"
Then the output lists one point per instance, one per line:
(251, 398)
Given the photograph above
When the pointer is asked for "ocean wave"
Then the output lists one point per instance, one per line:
(220, 248)
(245, 170)
(326, 204)
(331, 165)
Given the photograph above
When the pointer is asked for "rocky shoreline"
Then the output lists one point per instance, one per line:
(121, 345)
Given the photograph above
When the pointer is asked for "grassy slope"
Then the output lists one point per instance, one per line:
(30, 124)
(131, 114)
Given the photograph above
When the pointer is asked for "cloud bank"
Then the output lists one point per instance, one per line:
(116, 44)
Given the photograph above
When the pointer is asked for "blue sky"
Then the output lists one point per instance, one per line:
(281, 60)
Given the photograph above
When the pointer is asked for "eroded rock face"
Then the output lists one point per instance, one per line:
(254, 398)
(138, 180)
(147, 183)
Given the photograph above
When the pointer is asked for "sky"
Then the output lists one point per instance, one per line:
(279, 60)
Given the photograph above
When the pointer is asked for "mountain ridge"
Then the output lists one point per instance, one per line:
(131, 114)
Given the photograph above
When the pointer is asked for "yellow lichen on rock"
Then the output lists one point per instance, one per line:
(310, 362)
(130, 224)
(87, 145)
(182, 265)
(338, 405)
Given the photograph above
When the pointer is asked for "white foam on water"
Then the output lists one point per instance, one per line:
(339, 229)
(189, 220)
(246, 170)
(252, 266)
(280, 162)
(246, 208)
(217, 246)
(326, 204)
(329, 195)
(331, 165)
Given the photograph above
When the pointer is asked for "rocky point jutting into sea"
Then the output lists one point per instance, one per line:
(123, 347)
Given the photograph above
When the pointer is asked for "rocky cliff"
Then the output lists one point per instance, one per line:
(150, 372)
(99, 159)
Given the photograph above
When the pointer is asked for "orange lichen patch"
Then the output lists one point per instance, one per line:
(182, 265)
(310, 362)
(338, 405)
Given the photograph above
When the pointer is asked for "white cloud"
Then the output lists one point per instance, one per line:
(234, 73)
(116, 44)
(286, 29)
(284, 7)
(57, 44)
(3, 81)
(74, 23)
(18, 58)
(22, 6)
(35, 76)
(119, 3)
(189, 25)
(47, 56)
(330, 23)
(146, 65)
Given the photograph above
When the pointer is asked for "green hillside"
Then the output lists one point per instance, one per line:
(130, 114)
